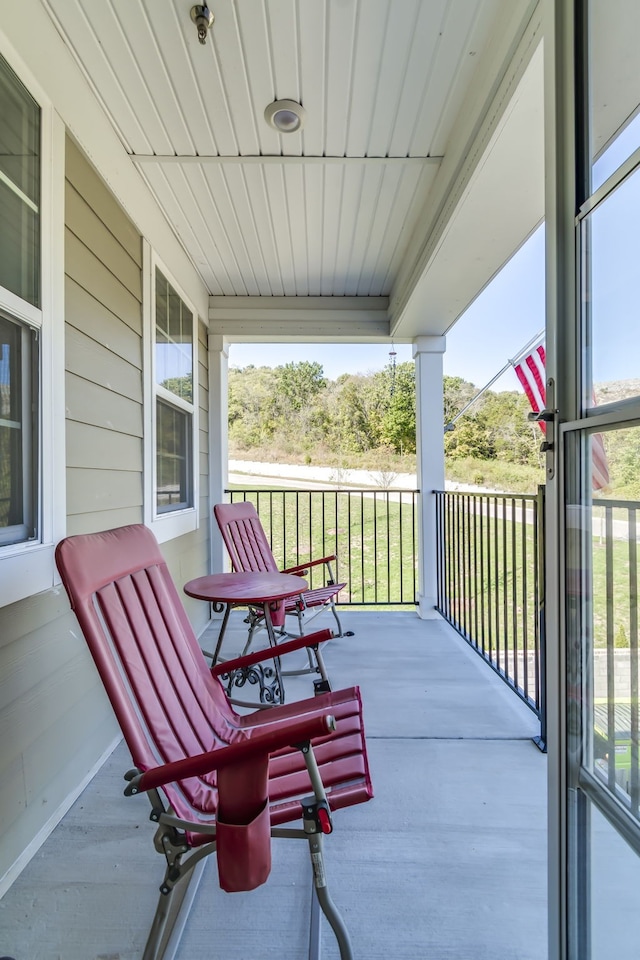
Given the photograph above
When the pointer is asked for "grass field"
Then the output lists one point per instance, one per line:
(490, 579)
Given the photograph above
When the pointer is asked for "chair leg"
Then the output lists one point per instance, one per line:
(323, 685)
(171, 916)
(315, 930)
(323, 899)
(334, 611)
(313, 828)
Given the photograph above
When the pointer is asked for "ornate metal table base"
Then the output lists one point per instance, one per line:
(266, 678)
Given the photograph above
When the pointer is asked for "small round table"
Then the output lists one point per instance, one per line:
(262, 590)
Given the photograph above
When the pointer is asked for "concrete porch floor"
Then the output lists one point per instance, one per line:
(448, 862)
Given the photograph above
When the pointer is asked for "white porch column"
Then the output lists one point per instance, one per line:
(427, 353)
(218, 440)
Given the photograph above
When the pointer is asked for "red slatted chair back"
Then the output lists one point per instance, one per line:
(244, 537)
(166, 701)
(247, 543)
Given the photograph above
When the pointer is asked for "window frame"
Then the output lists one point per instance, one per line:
(28, 567)
(166, 525)
(29, 425)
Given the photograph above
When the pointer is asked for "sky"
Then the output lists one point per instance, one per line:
(509, 312)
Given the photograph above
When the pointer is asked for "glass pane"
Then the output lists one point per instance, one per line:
(602, 599)
(18, 456)
(610, 293)
(174, 458)
(19, 188)
(615, 84)
(615, 882)
(174, 341)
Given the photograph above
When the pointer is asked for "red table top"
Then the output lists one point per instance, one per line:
(244, 588)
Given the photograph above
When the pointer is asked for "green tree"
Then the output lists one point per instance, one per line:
(398, 421)
(471, 437)
(456, 393)
(299, 384)
(180, 386)
(514, 438)
(350, 401)
(251, 405)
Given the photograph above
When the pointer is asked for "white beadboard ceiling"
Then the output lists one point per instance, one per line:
(330, 211)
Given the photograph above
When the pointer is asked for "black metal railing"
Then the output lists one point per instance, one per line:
(605, 580)
(491, 585)
(373, 534)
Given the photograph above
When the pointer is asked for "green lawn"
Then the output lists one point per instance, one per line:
(490, 579)
(372, 534)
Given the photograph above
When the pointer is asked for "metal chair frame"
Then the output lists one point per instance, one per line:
(250, 551)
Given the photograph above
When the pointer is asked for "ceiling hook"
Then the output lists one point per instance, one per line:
(203, 19)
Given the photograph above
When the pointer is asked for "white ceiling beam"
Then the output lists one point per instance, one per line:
(299, 319)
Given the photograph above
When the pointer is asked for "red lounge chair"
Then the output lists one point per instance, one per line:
(249, 550)
(217, 781)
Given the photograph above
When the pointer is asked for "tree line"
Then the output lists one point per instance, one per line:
(294, 408)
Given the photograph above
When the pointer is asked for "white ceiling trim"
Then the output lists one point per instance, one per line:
(144, 158)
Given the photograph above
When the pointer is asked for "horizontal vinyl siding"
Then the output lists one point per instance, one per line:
(101, 325)
(53, 712)
(55, 719)
(103, 351)
(104, 435)
(90, 403)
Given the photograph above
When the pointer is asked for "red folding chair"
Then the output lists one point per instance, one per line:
(249, 550)
(217, 781)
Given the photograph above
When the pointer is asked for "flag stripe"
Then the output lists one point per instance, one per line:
(530, 371)
(600, 468)
(535, 363)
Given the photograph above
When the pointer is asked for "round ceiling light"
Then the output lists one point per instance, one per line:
(285, 116)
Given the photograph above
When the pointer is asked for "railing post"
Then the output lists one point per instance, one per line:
(218, 351)
(427, 353)
(541, 741)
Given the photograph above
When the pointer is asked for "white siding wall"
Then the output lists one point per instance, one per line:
(55, 721)
(103, 292)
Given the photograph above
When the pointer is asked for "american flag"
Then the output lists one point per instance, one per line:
(530, 371)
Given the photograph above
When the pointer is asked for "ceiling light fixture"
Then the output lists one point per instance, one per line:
(203, 19)
(285, 116)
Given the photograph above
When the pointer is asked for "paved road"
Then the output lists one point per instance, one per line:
(251, 480)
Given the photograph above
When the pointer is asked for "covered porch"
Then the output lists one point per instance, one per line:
(150, 204)
(447, 861)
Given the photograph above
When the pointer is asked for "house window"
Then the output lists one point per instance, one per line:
(19, 380)
(19, 189)
(174, 409)
(20, 314)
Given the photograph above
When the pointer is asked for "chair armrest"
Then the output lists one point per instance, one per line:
(311, 640)
(311, 563)
(270, 738)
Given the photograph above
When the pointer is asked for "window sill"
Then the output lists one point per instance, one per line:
(172, 525)
(25, 571)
